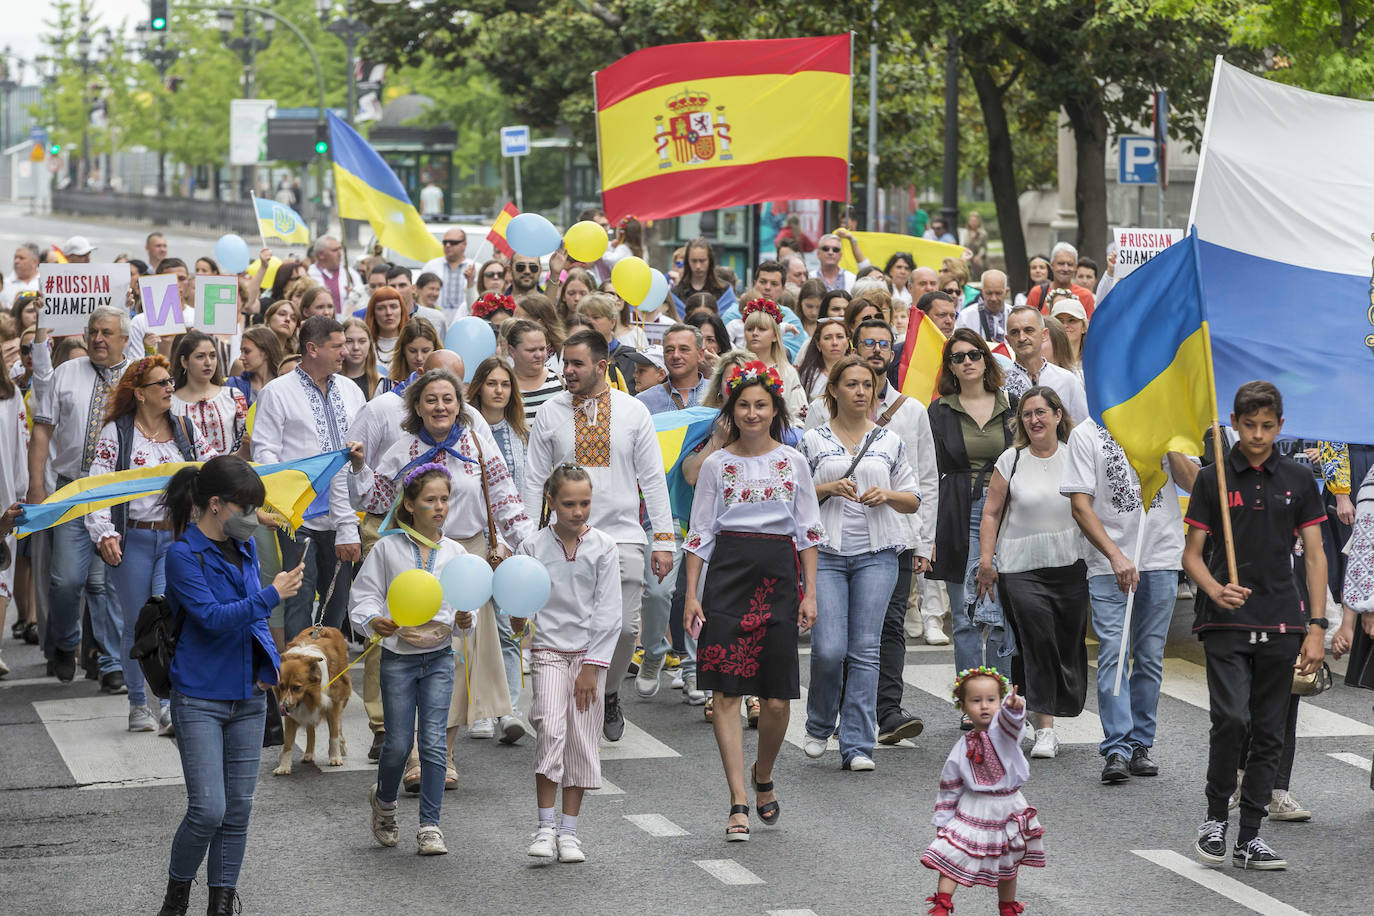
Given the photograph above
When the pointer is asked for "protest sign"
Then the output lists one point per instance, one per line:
(71, 292)
(162, 303)
(1136, 246)
(217, 304)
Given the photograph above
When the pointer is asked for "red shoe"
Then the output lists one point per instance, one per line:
(941, 905)
(1009, 908)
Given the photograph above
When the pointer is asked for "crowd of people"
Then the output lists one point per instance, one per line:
(826, 504)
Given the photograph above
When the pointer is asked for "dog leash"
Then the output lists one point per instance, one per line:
(329, 593)
(372, 643)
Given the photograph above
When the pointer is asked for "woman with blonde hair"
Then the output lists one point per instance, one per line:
(418, 339)
(576, 285)
(763, 338)
(538, 308)
(1056, 347)
(284, 320)
(360, 356)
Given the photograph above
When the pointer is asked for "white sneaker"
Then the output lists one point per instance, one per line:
(141, 719)
(512, 729)
(164, 723)
(813, 747)
(690, 694)
(935, 635)
(430, 841)
(4, 668)
(861, 764)
(545, 845)
(570, 848)
(482, 728)
(1046, 744)
(678, 680)
(1285, 807)
(646, 681)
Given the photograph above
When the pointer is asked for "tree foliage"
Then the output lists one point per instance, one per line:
(1322, 45)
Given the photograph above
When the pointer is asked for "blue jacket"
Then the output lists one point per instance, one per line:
(226, 611)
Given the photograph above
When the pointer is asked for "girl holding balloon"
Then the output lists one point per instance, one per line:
(416, 629)
(569, 654)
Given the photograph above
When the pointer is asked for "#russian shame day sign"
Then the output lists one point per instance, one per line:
(1136, 246)
(71, 292)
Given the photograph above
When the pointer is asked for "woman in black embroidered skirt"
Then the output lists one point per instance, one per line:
(755, 519)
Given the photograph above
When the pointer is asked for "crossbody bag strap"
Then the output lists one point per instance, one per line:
(891, 410)
(1006, 503)
(486, 495)
(863, 450)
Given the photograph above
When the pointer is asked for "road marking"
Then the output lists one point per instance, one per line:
(791, 913)
(29, 682)
(1355, 760)
(92, 735)
(1186, 681)
(656, 825)
(607, 788)
(635, 744)
(938, 680)
(920, 647)
(1217, 882)
(728, 871)
(796, 729)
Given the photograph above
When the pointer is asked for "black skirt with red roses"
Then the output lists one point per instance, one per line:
(748, 644)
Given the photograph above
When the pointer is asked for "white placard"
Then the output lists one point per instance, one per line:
(162, 303)
(1136, 246)
(248, 130)
(217, 304)
(71, 292)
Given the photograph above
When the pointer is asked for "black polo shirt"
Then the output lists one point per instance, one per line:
(1269, 505)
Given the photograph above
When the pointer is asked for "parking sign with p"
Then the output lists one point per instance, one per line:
(1137, 162)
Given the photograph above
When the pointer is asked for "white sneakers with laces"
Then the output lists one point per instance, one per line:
(1285, 807)
(1046, 744)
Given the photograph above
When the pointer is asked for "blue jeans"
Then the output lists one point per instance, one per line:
(220, 742)
(299, 610)
(416, 684)
(76, 568)
(510, 660)
(852, 594)
(1128, 720)
(968, 637)
(140, 574)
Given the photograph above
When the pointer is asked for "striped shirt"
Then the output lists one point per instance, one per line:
(533, 399)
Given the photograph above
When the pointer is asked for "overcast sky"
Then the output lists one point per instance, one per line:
(22, 33)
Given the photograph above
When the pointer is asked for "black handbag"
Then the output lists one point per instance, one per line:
(155, 642)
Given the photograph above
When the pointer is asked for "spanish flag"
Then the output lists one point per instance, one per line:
(497, 235)
(921, 355)
(691, 127)
(1147, 365)
(366, 188)
(879, 246)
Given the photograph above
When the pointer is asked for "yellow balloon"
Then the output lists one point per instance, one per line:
(586, 241)
(414, 597)
(632, 278)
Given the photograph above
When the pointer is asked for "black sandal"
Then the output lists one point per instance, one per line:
(737, 833)
(770, 812)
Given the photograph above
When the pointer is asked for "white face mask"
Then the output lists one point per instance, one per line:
(241, 527)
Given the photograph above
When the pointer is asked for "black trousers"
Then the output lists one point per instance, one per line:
(1248, 684)
(1283, 778)
(892, 648)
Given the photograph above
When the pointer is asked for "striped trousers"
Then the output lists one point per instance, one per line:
(566, 749)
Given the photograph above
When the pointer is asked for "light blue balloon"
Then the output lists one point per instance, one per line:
(231, 252)
(658, 292)
(467, 582)
(473, 339)
(521, 586)
(532, 235)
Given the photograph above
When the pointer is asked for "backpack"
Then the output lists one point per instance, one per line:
(155, 641)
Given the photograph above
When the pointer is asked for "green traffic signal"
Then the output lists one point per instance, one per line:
(321, 147)
(159, 24)
(55, 149)
(157, 15)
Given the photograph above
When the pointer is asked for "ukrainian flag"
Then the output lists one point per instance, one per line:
(1147, 363)
(292, 486)
(679, 432)
(366, 188)
(279, 221)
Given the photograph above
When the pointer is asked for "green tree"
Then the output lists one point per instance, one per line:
(1322, 45)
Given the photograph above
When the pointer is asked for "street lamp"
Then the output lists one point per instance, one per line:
(247, 46)
(83, 50)
(162, 58)
(350, 31)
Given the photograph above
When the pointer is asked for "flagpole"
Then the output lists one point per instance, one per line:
(253, 197)
(1130, 596)
(1228, 539)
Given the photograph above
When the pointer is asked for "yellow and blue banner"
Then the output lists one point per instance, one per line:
(1147, 363)
(366, 188)
(679, 433)
(280, 221)
(292, 489)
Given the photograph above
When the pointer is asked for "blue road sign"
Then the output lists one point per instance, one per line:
(515, 141)
(1136, 162)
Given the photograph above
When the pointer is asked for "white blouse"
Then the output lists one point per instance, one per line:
(221, 419)
(143, 453)
(883, 465)
(467, 509)
(1039, 531)
(764, 494)
(388, 558)
(584, 608)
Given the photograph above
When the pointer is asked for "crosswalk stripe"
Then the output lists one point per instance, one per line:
(796, 729)
(1355, 760)
(1219, 883)
(656, 825)
(791, 913)
(728, 871)
(607, 788)
(91, 733)
(635, 744)
(938, 680)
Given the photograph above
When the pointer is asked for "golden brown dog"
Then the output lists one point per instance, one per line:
(307, 665)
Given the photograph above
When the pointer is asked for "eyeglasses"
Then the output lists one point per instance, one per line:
(869, 343)
(160, 383)
(830, 249)
(448, 242)
(975, 355)
(495, 275)
(526, 268)
(1038, 413)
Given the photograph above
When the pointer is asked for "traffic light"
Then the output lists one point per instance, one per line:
(322, 139)
(158, 15)
(55, 149)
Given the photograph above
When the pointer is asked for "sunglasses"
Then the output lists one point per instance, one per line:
(26, 349)
(828, 249)
(160, 383)
(975, 355)
(869, 343)
(495, 275)
(448, 242)
(526, 268)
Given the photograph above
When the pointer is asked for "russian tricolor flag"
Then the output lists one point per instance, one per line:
(1284, 211)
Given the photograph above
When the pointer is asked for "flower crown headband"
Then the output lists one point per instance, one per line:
(751, 372)
(490, 303)
(767, 306)
(980, 671)
(425, 469)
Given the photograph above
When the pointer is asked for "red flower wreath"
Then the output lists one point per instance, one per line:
(767, 306)
(491, 303)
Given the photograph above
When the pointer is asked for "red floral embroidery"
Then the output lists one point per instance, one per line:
(742, 656)
(693, 542)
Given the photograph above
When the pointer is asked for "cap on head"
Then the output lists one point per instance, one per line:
(1069, 305)
(77, 245)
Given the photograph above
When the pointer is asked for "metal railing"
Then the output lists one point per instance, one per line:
(222, 215)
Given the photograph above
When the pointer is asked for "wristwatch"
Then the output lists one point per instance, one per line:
(1319, 622)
